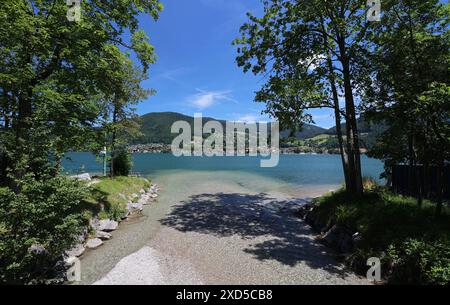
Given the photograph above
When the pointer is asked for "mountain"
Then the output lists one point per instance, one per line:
(156, 128)
(368, 131)
(308, 131)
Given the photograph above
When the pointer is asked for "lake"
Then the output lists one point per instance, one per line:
(323, 172)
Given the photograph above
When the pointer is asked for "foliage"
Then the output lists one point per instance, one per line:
(58, 79)
(56, 75)
(122, 162)
(47, 213)
(311, 53)
(412, 243)
(416, 261)
(409, 84)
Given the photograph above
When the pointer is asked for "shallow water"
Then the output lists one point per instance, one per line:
(292, 170)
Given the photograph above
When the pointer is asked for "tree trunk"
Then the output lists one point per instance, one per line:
(22, 139)
(113, 142)
(337, 115)
(419, 186)
(440, 187)
(410, 165)
(352, 130)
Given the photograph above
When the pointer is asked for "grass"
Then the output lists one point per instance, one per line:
(384, 216)
(396, 228)
(109, 197)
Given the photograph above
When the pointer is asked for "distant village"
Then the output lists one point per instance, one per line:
(157, 148)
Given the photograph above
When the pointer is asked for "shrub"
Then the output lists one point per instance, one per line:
(417, 261)
(412, 243)
(122, 163)
(37, 225)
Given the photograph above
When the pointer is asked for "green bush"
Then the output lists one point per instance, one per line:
(413, 244)
(122, 163)
(46, 216)
(420, 262)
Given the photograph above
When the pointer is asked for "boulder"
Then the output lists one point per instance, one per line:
(107, 225)
(37, 250)
(76, 251)
(356, 238)
(331, 237)
(94, 243)
(304, 210)
(103, 235)
(82, 177)
(142, 191)
(133, 207)
(339, 238)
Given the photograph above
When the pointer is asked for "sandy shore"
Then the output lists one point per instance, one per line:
(217, 229)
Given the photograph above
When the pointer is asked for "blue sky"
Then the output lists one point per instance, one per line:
(196, 69)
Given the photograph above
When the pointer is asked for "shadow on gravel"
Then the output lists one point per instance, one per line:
(249, 216)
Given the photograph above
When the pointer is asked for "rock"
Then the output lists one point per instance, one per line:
(122, 196)
(107, 225)
(146, 200)
(154, 195)
(94, 243)
(103, 235)
(142, 191)
(345, 244)
(154, 188)
(126, 215)
(304, 210)
(339, 238)
(76, 251)
(133, 196)
(37, 250)
(331, 237)
(133, 207)
(82, 177)
(357, 237)
(94, 223)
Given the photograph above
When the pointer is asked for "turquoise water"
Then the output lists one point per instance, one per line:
(292, 169)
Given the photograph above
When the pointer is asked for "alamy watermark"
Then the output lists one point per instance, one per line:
(374, 11)
(73, 272)
(374, 272)
(74, 10)
(238, 139)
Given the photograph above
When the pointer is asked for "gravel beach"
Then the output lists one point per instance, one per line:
(217, 228)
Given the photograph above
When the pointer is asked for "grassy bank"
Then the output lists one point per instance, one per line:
(413, 244)
(108, 197)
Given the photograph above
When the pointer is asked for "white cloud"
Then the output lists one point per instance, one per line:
(206, 99)
(248, 118)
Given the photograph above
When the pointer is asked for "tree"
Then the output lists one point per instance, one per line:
(55, 87)
(122, 81)
(50, 82)
(312, 52)
(408, 87)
